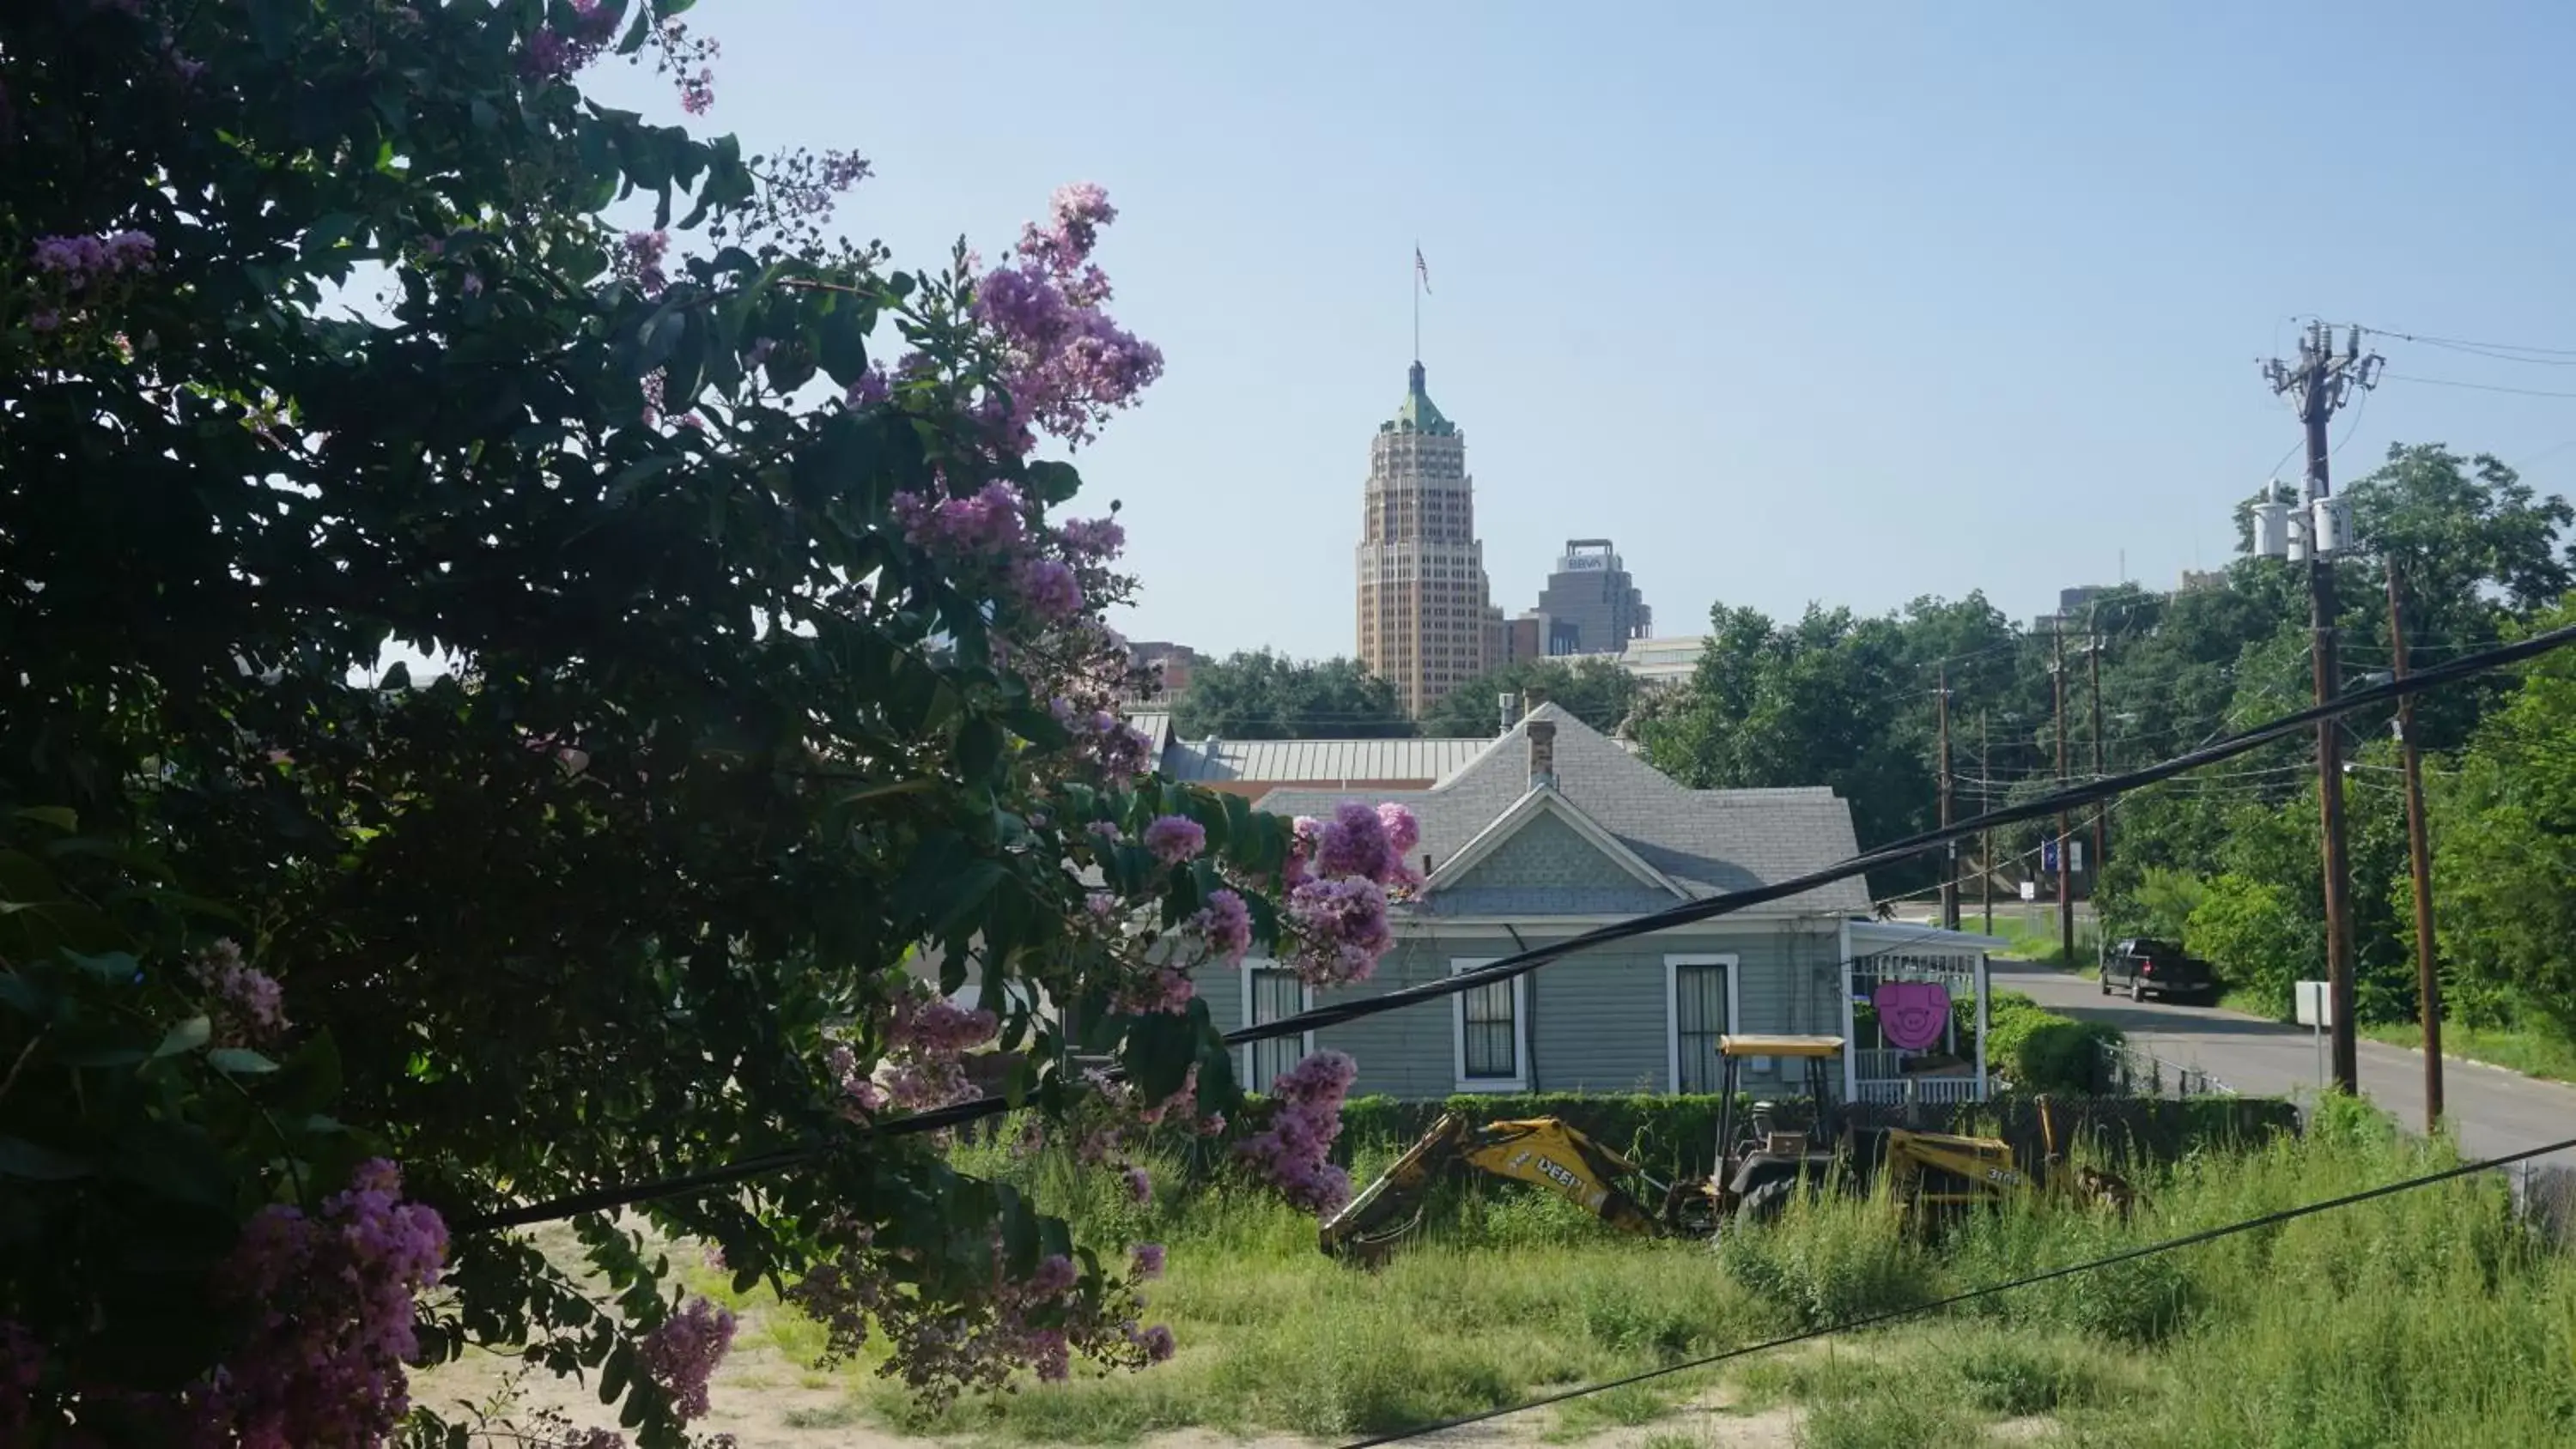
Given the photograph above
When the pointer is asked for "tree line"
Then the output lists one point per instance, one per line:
(2226, 859)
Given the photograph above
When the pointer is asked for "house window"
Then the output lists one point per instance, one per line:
(1492, 1028)
(1272, 993)
(1703, 1009)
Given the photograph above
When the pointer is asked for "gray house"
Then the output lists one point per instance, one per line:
(1553, 829)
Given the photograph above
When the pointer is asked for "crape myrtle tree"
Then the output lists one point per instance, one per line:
(779, 669)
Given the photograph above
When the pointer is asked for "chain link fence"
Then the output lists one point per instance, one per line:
(2128, 1071)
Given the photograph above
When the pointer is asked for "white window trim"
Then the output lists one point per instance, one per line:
(1673, 965)
(1305, 1002)
(1519, 1080)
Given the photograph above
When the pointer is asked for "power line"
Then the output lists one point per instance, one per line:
(2465, 343)
(1870, 1320)
(2478, 386)
(1708, 908)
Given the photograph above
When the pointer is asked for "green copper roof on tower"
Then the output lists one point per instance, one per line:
(1419, 414)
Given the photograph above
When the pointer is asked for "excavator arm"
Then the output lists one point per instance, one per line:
(1541, 1151)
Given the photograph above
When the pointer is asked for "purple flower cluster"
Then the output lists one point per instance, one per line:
(1047, 588)
(1092, 540)
(993, 520)
(1225, 923)
(1163, 989)
(1338, 875)
(926, 1035)
(1340, 927)
(1149, 1261)
(682, 1354)
(81, 260)
(332, 1304)
(698, 91)
(1069, 365)
(247, 1003)
(1117, 749)
(1175, 839)
(947, 1343)
(1291, 1152)
(639, 259)
(874, 386)
(1140, 1184)
(552, 54)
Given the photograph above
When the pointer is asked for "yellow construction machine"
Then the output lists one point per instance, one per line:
(1757, 1174)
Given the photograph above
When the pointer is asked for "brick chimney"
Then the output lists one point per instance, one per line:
(1542, 752)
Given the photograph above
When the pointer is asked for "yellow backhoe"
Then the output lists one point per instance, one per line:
(1755, 1178)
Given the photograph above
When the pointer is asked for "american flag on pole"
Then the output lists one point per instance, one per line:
(1421, 268)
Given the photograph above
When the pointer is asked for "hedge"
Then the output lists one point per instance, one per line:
(1676, 1136)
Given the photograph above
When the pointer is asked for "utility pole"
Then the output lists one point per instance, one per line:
(1950, 852)
(2065, 832)
(2419, 859)
(2322, 379)
(1985, 838)
(2101, 808)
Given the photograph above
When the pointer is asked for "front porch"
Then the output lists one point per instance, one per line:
(1914, 1060)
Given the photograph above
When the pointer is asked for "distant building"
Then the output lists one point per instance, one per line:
(1169, 665)
(1523, 638)
(2194, 580)
(1590, 605)
(1426, 618)
(1670, 660)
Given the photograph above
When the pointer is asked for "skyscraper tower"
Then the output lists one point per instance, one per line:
(1426, 625)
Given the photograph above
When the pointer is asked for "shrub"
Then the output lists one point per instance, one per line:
(1830, 1260)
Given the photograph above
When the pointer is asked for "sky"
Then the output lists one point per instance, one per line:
(1851, 308)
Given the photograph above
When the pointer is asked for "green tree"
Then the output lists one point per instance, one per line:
(777, 666)
(1593, 688)
(1262, 695)
(2504, 834)
(1829, 700)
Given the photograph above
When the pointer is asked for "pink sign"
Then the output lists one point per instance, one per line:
(1912, 1013)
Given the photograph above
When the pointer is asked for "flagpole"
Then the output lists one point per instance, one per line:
(1417, 301)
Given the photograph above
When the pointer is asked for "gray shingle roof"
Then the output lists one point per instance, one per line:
(1709, 841)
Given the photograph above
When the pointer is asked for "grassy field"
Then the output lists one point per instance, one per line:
(2534, 1054)
(2430, 1318)
(2424, 1319)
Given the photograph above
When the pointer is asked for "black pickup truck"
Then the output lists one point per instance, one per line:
(2157, 968)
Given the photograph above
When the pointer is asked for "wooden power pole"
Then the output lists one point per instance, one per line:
(2419, 859)
(1985, 838)
(2322, 378)
(2101, 808)
(1950, 851)
(2065, 878)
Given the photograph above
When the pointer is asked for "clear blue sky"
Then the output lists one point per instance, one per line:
(1912, 299)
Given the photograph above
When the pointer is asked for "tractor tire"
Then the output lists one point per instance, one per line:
(1766, 1201)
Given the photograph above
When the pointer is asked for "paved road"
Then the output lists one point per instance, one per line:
(2493, 1110)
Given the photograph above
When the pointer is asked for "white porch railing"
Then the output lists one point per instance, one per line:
(1928, 1090)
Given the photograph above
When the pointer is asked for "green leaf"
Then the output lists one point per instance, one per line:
(239, 1061)
(655, 339)
(1160, 1048)
(114, 967)
(187, 1036)
(22, 1158)
(617, 1373)
(843, 344)
(180, 1163)
(979, 748)
(59, 817)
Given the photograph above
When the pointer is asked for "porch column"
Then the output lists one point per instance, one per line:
(1981, 1026)
(1851, 1065)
